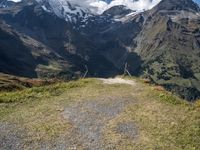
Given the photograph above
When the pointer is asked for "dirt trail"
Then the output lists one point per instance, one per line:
(90, 118)
(98, 114)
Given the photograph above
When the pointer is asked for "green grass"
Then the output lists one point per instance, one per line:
(40, 92)
(10, 102)
(164, 121)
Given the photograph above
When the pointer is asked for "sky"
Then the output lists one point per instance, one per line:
(197, 1)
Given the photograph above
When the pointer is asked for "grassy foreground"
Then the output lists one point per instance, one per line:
(163, 121)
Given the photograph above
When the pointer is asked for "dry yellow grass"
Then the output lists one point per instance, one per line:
(163, 121)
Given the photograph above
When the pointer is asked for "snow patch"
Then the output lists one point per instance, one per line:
(66, 10)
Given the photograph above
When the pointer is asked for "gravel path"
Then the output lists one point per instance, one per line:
(10, 138)
(89, 119)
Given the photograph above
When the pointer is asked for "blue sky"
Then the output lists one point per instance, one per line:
(198, 1)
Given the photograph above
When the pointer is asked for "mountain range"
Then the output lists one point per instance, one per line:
(56, 38)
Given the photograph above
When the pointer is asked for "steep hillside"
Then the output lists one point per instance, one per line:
(24, 56)
(162, 44)
(71, 51)
(169, 45)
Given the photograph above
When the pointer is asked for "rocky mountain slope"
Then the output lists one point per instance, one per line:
(57, 49)
(64, 40)
(169, 45)
(66, 10)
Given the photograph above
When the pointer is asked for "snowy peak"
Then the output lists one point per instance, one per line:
(119, 10)
(5, 3)
(119, 13)
(65, 10)
(78, 11)
(12, 3)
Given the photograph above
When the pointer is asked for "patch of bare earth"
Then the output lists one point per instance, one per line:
(90, 118)
(117, 81)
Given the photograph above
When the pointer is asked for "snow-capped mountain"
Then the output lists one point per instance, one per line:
(66, 10)
(6, 3)
(76, 11)
(79, 12)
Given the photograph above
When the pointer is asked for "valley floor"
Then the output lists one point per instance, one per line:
(100, 114)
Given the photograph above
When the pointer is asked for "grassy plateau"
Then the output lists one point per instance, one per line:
(35, 118)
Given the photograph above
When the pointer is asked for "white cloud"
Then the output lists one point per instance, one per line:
(98, 6)
(16, 1)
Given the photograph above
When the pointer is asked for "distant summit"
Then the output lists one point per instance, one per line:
(170, 5)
